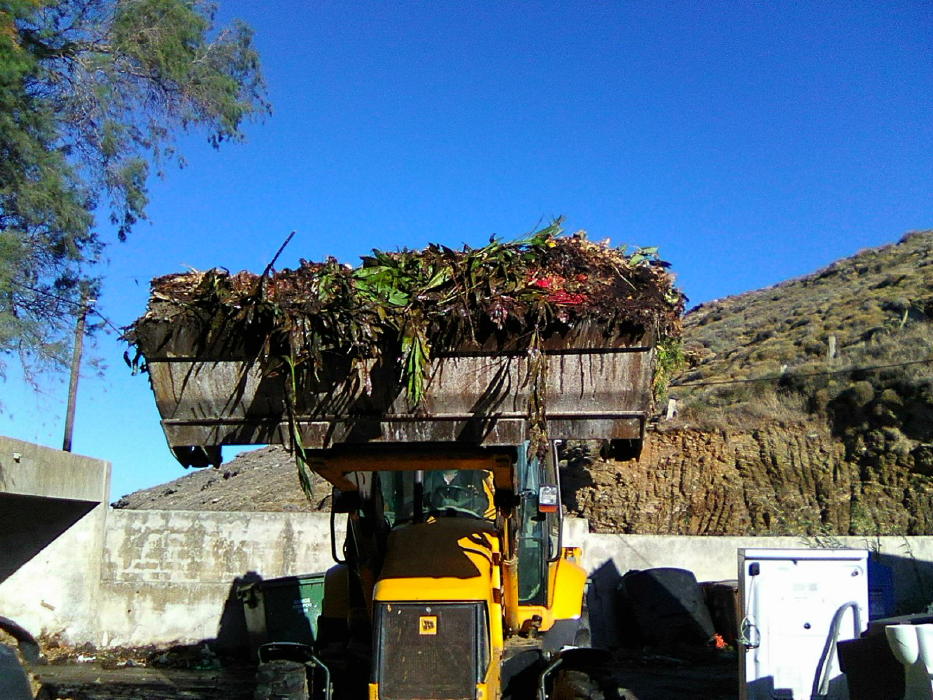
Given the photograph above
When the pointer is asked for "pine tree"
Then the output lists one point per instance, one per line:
(92, 93)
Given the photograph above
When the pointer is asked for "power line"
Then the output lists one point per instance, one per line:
(75, 304)
(778, 377)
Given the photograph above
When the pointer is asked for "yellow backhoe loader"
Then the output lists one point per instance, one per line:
(452, 581)
(455, 570)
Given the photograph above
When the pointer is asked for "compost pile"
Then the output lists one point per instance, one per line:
(409, 305)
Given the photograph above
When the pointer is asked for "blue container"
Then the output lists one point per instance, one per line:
(880, 590)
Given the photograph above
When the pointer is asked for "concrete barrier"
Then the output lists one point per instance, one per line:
(53, 516)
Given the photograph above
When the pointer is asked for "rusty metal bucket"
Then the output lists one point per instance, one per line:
(596, 388)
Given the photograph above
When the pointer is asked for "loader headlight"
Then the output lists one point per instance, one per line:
(548, 499)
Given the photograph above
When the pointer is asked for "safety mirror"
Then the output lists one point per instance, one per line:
(345, 501)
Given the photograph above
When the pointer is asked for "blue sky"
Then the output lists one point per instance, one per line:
(752, 142)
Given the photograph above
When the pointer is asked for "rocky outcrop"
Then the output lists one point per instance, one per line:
(778, 479)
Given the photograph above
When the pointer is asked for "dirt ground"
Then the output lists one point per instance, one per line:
(91, 681)
(631, 676)
(59, 671)
(656, 677)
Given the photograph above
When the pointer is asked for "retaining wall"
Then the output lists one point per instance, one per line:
(169, 575)
(608, 557)
(53, 516)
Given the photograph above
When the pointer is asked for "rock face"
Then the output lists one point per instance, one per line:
(777, 479)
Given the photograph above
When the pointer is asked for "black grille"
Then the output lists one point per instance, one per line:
(428, 651)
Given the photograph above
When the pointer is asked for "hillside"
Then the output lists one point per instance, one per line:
(876, 307)
(776, 434)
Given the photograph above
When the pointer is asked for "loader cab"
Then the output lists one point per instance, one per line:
(448, 557)
(532, 510)
(515, 491)
(417, 496)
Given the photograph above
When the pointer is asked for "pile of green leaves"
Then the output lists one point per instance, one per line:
(411, 305)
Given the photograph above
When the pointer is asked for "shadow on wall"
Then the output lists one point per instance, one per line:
(255, 611)
(602, 603)
(909, 587)
(233, 637)
(29, 524)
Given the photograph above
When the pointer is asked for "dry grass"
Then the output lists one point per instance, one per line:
(877, 306)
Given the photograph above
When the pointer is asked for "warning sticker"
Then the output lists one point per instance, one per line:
(427, 624)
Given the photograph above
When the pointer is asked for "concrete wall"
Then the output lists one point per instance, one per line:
(53, 515)
(715, 558)
(170, 575)
(28, 469)
(608, 557)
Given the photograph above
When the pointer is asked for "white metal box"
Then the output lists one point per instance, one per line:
(797, 603)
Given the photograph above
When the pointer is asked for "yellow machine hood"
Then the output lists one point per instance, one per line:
(447, 559)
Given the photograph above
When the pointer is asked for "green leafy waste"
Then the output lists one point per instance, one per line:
(418, 303)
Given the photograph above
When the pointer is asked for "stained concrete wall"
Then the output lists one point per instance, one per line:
(170, 575)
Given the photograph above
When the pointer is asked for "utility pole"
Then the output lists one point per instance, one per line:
(75, 371)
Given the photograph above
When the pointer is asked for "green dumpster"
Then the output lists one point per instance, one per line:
(282, 609)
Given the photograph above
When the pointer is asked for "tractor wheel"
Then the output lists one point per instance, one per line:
(575, 685)
(281, 680)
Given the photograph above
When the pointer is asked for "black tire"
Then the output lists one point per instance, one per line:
(575, 685)
(281, 680)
